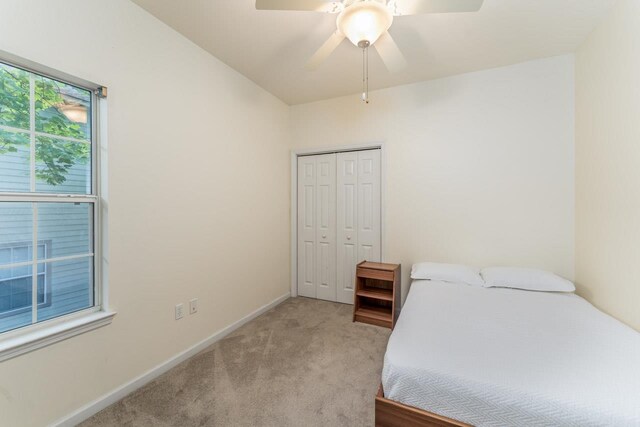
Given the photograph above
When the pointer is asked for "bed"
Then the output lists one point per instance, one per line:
(468, 355)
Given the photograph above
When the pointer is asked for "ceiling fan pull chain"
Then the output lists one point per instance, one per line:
(367, 55)
(365, 71)
(364, 94)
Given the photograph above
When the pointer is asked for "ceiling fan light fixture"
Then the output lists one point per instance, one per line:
(364, 21)
(74, 112)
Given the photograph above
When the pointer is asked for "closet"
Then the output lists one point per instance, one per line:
(339, 225)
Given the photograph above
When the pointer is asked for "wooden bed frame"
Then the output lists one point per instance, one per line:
(390, 413)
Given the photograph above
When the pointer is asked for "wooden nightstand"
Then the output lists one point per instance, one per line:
(377, 296)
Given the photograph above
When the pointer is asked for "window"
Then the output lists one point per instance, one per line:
(15, 283)
(49, 199)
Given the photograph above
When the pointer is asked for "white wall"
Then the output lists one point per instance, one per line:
(608, 164)
(480, 166)
(198, 185)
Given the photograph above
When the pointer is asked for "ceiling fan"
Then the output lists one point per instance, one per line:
(365, 23)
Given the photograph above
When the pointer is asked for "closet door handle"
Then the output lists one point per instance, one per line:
(324, 236)
(348, 237)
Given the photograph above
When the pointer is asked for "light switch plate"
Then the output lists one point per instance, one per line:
(179, 311)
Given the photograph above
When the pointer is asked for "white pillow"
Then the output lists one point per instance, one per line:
(525, 278)
(447, 273)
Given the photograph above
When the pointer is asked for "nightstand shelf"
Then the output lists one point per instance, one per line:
(377, 295)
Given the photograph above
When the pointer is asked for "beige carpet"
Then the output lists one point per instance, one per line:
(304, 363)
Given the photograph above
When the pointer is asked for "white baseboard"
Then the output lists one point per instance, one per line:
(113, 396)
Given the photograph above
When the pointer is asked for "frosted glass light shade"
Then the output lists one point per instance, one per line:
(364, 20)
(74, 112)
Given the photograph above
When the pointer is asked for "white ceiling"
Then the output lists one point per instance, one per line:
(272, 47)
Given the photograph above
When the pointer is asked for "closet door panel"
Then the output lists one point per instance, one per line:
(326, 227)
(347, 218)
(369, 206)
(339, 219)
(307, 226)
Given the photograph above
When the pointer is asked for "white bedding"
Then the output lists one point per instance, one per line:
(507, 357)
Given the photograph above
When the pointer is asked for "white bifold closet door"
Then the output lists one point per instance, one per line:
(338, 221)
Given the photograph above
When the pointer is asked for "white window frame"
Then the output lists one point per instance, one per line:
(28, 338)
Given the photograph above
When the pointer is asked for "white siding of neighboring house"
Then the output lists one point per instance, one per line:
(65, 228)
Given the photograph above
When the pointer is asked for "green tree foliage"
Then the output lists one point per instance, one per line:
(54, 157)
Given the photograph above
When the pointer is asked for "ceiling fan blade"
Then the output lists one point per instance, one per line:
(390, 53)
(310, 5)
(325, 50)
(415, 7)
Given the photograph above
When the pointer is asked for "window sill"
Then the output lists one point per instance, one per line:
(28, 341)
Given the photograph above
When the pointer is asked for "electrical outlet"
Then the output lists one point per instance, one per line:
(179, 311)
(193, 306)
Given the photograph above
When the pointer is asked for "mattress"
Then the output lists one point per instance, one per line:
(506, 357)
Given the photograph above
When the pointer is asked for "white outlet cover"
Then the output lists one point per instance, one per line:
(193, 306)
(179, 311)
